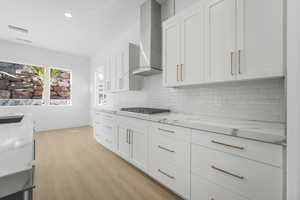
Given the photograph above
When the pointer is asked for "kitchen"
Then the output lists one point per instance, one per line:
(171, 99)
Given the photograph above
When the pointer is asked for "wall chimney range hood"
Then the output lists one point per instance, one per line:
(150, 39)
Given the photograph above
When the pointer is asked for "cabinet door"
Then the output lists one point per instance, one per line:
(113, 74)
(220, 32)
(139, 146)
(204, 190)
(125, 79)
(119, 72)
(98, 134)
(107, 75)
(192, 68)
(171, 52)
(260, 38)
(123, 142)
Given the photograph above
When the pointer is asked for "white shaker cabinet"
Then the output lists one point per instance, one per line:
(109, 74)
(171, 52)
(123, 148)
(244, 39)
(220, 34)
(119, 68)
(139, 147)
(183, 48)
(133, 141)
(259, 38)
(224, 40)
(192, 68)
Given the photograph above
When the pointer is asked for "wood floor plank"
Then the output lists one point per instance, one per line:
(71, 165)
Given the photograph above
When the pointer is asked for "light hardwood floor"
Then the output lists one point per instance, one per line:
(71, 165)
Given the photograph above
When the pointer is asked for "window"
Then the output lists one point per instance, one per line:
(60, 86)
(21, 84)
(100, 94)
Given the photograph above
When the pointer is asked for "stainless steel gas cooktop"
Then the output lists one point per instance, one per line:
(145, 110)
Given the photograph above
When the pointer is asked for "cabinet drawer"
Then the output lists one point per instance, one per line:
(259, 151)
(100, 117)
(205, 190)
(165, 149)
(243, 176)
(179, 133)
(173, 177)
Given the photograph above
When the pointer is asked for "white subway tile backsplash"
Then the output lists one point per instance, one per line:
(252, 100)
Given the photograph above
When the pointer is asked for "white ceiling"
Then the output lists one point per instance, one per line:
(94, 22)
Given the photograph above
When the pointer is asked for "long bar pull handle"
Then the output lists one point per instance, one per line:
(228, 173)
(239, 61)
(166, 149)
(177, 69)
(181, 66)
(165, 130)
(34, 149)
(164, 173)
(231, 63)
(228, 145)
(127, 136)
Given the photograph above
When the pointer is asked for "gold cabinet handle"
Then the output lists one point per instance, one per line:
(164, 173)
(228, 173)
(228, 145)
(165, 130)
(127, 136)
(177, 69)
(181, 66)
(239, 61)
(231, 63)
(166, 149)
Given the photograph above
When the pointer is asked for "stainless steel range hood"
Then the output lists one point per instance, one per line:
(150, 39)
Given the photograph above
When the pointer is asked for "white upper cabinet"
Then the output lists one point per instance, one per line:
(224, 40)
(192, 69)
(220, 32)
(171, 52)
(183, 48)
(119, 68)
(108, 74)
(259, 38)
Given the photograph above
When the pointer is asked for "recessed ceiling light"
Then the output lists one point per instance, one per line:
(68, 15)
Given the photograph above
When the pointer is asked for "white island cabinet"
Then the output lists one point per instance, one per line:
(195, 164)
(16, 146)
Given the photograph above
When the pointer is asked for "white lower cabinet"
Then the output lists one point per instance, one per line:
(139, 148)
(123, 147)
(169, 157)
(197, 165)
(205, 190)
(133, 141)
(105, 130)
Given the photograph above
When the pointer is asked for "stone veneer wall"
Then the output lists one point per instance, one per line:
(19, 82)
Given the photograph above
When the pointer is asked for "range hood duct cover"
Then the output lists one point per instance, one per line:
(150, 39)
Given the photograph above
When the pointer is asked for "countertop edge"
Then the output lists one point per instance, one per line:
(240, 133)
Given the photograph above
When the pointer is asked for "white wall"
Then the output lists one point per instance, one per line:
(53, 117)
(293, 104)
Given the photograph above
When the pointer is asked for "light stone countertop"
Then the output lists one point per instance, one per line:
(270, 132)
(16, 146)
